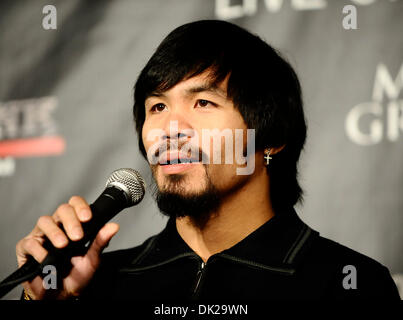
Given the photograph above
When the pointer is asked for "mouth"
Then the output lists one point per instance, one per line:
(179, 161)
(173, 158)
(172, 163)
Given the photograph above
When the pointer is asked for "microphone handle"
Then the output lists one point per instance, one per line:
(104, 208)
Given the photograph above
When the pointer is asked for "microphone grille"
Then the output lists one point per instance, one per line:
(130, 182)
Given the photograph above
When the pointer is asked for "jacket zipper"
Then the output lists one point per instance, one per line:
(199, 277)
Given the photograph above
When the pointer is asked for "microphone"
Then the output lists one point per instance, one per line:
(124, 188)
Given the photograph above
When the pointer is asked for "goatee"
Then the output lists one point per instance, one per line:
(174, 202)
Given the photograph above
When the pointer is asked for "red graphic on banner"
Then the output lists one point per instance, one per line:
(32, 147)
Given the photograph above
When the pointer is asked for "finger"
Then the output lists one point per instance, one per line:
(31, 247)
(47, 225)
(81, 207)
(102, 239)
(36, 232)
(35, 285)
(70, 221)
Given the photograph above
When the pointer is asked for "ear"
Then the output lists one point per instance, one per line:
(275, 150)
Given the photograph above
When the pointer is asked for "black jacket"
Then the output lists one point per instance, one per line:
(282, 259)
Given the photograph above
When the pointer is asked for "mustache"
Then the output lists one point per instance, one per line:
(192, 152)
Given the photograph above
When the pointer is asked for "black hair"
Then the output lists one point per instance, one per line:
(262, 85)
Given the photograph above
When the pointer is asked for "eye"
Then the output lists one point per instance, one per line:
(204, 103)
(159, 107)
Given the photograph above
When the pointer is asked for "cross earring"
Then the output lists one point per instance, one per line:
(267, 156)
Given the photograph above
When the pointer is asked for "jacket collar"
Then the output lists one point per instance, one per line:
(278, 242)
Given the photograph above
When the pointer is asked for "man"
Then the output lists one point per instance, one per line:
(232, 231)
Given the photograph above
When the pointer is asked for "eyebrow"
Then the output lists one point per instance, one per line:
(206, 87)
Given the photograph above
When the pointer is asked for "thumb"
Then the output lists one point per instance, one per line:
(102, 239)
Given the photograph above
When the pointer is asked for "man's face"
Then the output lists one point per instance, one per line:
(180, 116)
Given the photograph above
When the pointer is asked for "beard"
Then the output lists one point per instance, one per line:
(175, 202)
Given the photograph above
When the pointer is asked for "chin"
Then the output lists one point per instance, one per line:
(188, 200)
(181, 187)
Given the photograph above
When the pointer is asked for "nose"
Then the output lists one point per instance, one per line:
(177, 127)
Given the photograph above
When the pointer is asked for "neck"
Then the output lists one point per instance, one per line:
(240, 214)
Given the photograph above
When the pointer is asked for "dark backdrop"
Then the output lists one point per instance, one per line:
(66, 97)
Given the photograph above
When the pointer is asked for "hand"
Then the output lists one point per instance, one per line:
(70, 216)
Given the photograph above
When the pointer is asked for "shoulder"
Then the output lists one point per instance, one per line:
(120, 258)
(332, 252)
(349, 273)
(103, 282)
